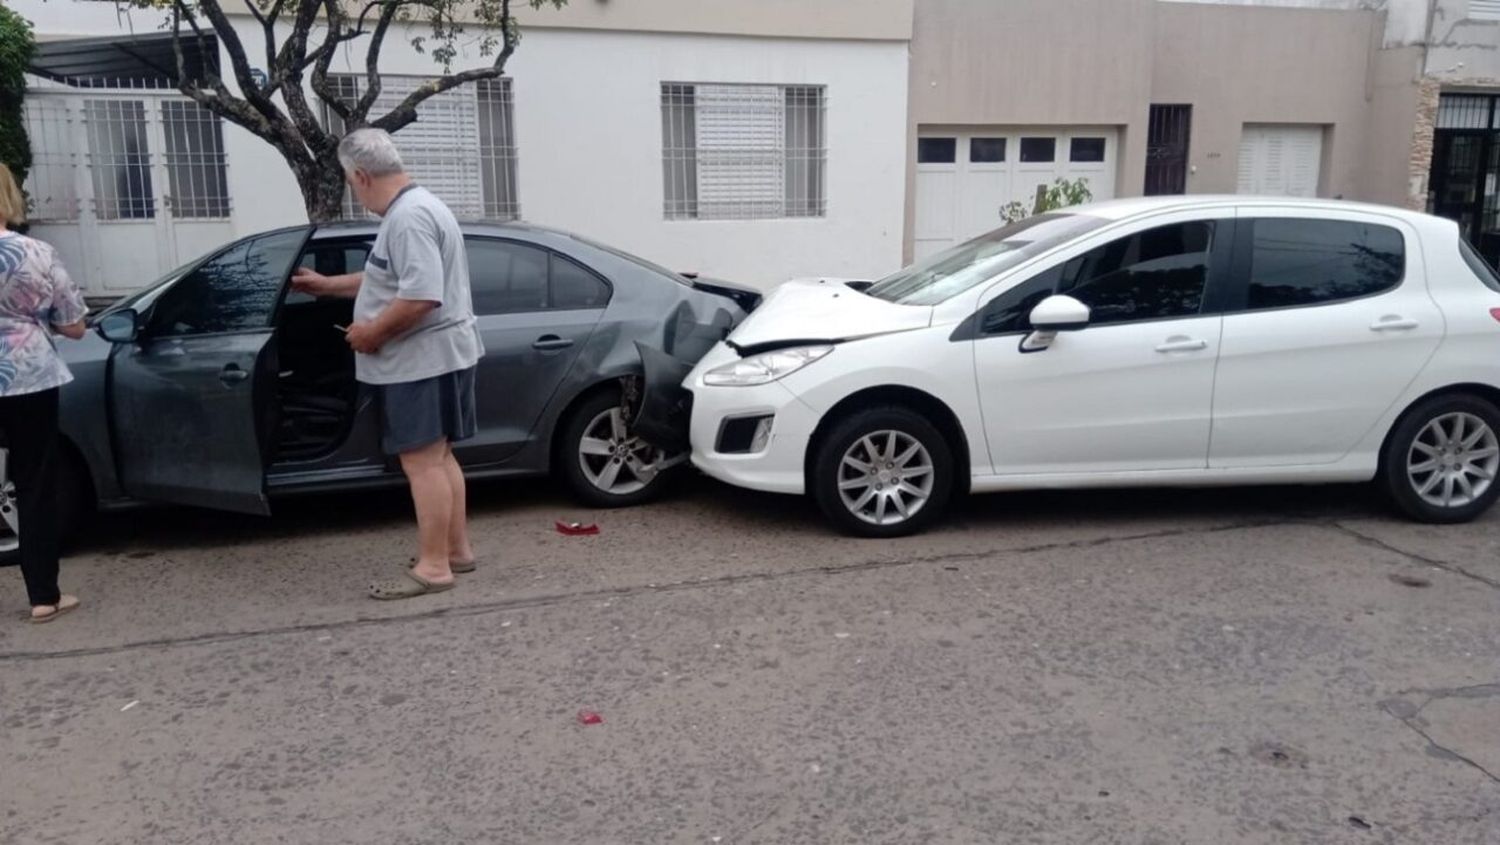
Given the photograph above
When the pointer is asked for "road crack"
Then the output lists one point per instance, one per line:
(550, 600)
(1398, 710)
(1451, 568)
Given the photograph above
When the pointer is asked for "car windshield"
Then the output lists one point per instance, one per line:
(953, 271)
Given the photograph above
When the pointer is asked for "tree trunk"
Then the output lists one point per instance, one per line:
(322, 185)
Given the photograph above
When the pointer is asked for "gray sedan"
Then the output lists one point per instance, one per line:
(220, 387)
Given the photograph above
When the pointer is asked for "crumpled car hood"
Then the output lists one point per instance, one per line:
(822, 310)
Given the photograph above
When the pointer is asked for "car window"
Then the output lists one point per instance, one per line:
(507, 277)
(331, 258)
(1481, 268)
(1299, 262)
(573, 287)
(1156, 274)
(235, 290)
(1011, 311)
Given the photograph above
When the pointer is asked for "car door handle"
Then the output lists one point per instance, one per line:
(1393, 323)
(232, 374)
(1182, 344)
(551, 343)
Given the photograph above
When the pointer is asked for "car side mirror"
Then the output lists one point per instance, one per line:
(1057, 313)
(122, 326)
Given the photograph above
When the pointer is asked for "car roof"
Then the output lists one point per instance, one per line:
(358, 228)
(1123, 209)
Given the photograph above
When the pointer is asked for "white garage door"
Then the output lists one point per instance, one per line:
(965, 179)
(1280, 161)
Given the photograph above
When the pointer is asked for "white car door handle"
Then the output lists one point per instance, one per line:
(1182, 344)
(1393, 323)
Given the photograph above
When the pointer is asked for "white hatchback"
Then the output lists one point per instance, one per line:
(1165, 341)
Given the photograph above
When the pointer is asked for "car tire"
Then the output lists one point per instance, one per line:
(631, 466)
(1436, 460)
(72, 505)
(905, 496)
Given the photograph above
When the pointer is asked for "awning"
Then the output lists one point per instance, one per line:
(133, 61)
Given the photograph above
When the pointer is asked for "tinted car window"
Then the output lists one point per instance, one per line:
(1481, 268)
(576, 288)
(1156, 274)
(331, 258)
(507, 277)
(1011, 311)
(1309, 262)
(235, 290)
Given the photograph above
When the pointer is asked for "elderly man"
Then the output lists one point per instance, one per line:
(417, 345)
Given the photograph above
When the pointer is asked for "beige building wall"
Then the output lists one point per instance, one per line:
(849, 20)
(1104, 62)
(979, 63)
(1247, 64)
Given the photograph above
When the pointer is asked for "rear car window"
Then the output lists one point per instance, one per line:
(1481, 268)
(1300, 262)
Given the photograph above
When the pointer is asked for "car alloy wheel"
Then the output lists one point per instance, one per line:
(1453, 460)
(615, 461)
(10, 520)
(886, 478)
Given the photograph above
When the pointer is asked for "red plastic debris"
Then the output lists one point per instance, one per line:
(589, 717)
(576, 529)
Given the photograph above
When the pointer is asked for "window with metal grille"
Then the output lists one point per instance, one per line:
(119, 159)
(1484, 10)
(743, 152)
(461, 147)
(51, 191)
(195, 160)
(1467, 111)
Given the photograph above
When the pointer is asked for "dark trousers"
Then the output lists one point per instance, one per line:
(29, 423)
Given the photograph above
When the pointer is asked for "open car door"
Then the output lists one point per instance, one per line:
(192, 395)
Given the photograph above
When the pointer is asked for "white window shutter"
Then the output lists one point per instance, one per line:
(1484, 10)
(1280, 160)
(741, 134)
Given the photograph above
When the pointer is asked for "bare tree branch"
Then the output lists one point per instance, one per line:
(372, 63)
(406, 111)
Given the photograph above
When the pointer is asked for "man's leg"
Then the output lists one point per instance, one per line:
(459, 548)
(432, 493)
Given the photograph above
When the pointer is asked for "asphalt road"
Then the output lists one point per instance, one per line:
(1269, 666)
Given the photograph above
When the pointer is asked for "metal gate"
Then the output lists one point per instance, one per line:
(1465, 168)
(127, 182)
(1167, 149)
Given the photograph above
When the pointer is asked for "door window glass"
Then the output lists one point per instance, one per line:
(986, 150)
(1086, 149)
(937, 150)
(1038, 149)
(235, 290)
(576, 288)
(507, 277)
(1156, 274)
(1010, 312)
(1309, 262)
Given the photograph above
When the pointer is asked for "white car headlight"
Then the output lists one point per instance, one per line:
(764, 368)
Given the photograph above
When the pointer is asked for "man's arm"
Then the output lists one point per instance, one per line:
(398, 318)
(317, 284)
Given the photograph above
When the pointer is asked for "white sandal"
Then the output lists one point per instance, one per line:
(64, 604)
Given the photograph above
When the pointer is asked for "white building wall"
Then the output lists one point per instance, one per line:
(588, 126)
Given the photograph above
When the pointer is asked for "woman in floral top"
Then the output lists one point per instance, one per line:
(37, 300)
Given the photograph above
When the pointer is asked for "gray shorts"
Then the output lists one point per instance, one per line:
(414, 414)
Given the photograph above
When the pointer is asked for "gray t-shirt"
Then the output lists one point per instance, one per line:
(419, 255)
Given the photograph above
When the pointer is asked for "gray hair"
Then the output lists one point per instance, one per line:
(370, 150)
